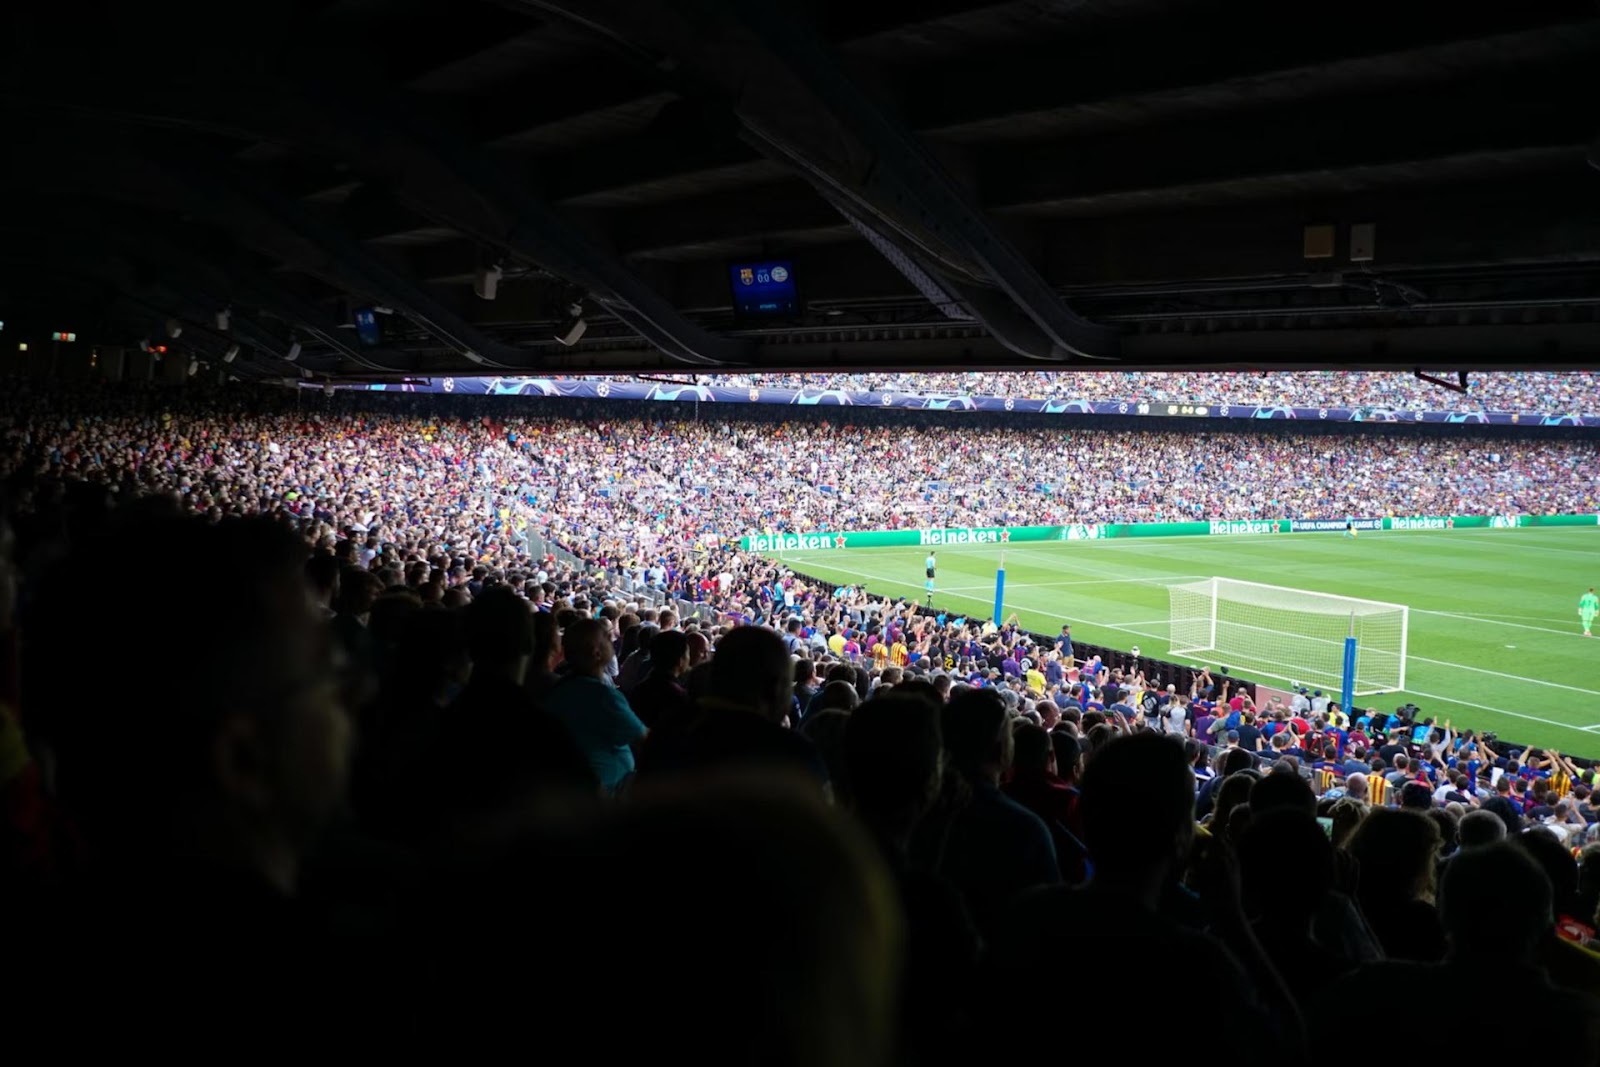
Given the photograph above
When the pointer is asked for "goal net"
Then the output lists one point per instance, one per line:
(1290, 634)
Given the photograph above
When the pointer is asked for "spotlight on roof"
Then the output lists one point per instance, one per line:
(327, 388)
(305, 373)
(144, 344)
(222, 318)
(231, 354)
(293, 353)
(576, 326)
(174, 329)
(487, 281)
(194, 367)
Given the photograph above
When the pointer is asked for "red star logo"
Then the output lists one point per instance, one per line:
(1005, 535)
(838, 542)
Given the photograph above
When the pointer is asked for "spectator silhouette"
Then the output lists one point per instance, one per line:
(394, 765)
(594, 712)
(1564, 959)
(200, 750)
(1286, 866)
(1397, 851)
(893, 754)
(737, 721)
(660, 696)
(1138, 839)
(988, 846)
(1498, 912)
(779, 904)
(1036, 786)
(498, 749)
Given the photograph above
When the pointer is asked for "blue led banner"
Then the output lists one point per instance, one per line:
(623, 389)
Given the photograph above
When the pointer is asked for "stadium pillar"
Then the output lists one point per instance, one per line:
(1000, 591)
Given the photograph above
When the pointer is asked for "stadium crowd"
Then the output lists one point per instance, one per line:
(643, 491)
(1544, 392)
(287, 710)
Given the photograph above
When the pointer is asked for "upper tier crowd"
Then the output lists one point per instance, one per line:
(643, 490)
(299, 747)
(1568, 392)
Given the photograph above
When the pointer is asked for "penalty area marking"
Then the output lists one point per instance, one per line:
(1496, 620)
(1173, 580)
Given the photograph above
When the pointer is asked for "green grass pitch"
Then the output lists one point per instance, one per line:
(1494, 637)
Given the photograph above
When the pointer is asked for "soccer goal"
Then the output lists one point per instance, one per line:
(1292, 634)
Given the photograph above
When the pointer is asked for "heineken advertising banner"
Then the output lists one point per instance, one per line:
(1494, 522)
(1005, 535)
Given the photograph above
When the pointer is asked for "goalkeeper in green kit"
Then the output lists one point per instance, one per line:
(1588, 608)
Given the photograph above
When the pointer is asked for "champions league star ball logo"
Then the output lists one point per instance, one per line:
(449, 385)
(603, 390)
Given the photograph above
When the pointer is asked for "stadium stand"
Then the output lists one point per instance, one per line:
(299, 697)
(1533, 391)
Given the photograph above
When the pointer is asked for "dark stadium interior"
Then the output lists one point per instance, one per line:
(800, 533)
(1129, 184)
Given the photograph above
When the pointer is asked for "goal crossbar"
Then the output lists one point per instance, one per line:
(1295, 634)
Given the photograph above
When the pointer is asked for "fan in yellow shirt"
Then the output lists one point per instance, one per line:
(836, 643)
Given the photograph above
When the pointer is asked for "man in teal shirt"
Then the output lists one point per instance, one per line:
(596, 713)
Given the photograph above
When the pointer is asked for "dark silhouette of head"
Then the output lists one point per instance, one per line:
(1397, 850)
(1138, 833)
(669, 653)
(1481, 828)
(1496, 905)
(194, 712)
(751, 669)
(499, 629)
(977, 735)
(1286, 863)
(1282, 789)
(1031, 751)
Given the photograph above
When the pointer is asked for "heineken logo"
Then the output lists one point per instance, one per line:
(963, 537)
(1421, 522)
(1243, 526)
(790, 542)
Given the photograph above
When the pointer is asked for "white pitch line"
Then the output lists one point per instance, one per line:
(1085, 581)
(1594, 728)
(1497, 711)
(1522, 545)
(1498, 620)
(1493, 615)
(1501, 674)
(1131, 628)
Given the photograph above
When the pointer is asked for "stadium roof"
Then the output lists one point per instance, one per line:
(1085, 183)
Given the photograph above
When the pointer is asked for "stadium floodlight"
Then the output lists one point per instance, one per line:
(1291, 633)
(174, 329)
(294, 352)
(194, 367)
(576, 326)
(486, 283)
(231, 354)
(223, 317)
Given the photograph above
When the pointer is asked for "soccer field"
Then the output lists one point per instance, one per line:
(1495, 642)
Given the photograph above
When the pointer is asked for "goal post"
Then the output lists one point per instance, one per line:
(1291, 634)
